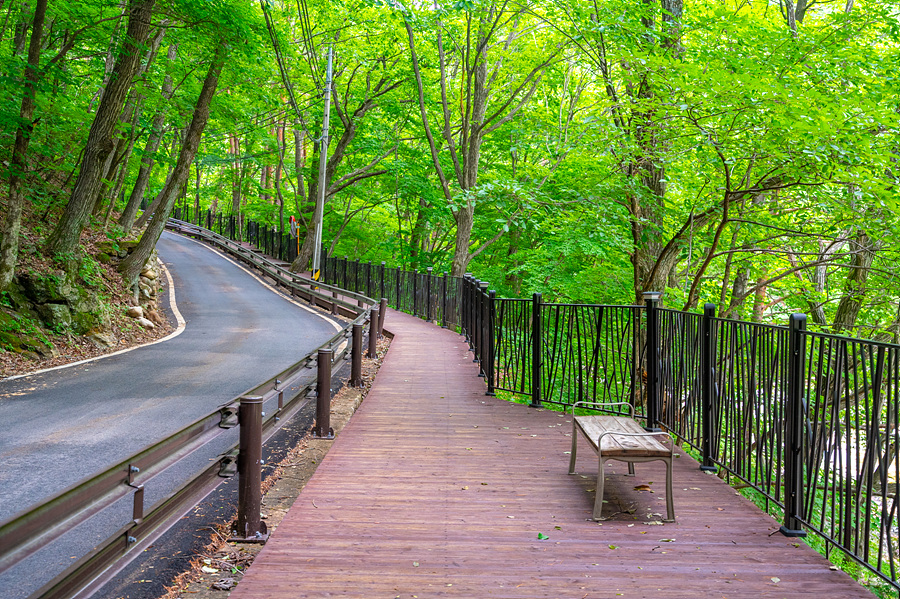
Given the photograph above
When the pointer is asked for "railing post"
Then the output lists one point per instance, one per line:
(429, 311)
(249, 526)
(397, 284)
(469, 296)
(793, 434)
(707, 385)
(356, 265)
(444, 300)
(381, 294)
(491, 313)
(373, 333)
(476, 323)
(415, 292)
(323, 428)
(537, 350)
(356, 356)
(369, 279)
(464, 306)
(483, 354)
(382, 310)
(651, 302)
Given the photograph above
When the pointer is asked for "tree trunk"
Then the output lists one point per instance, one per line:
(738, 293)
(197, 195)
(415, 238)
(12, 225)
(299, 165)
(123, 170)
(66, 236)
(234, 148)
(513, 278)
(279, 168)
(855, 287)
(151, 210)
(131, 266)
(126, 220)
(759, 298)
(21, 32)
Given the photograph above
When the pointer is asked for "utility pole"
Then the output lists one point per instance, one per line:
(323, 162)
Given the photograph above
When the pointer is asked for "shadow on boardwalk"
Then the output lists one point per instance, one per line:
(434, 489)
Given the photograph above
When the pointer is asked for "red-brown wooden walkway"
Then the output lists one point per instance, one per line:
(435, 490)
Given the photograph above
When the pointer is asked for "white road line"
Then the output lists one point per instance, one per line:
(336, 325)
(180, 329)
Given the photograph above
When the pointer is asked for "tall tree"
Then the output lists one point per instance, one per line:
(67, 234)
(12, 224)
(131, 266)
(490, 95)
(157, 129)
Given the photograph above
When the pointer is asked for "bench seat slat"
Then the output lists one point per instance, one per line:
(612, 446)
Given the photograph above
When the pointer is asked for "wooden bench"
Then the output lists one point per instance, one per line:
(620, 438)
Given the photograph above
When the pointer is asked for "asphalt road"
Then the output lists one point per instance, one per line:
(64, 425)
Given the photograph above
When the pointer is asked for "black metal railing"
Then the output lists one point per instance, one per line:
(265, 237)
(808, 421)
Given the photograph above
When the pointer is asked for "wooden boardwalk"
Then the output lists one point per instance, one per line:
(435, 490)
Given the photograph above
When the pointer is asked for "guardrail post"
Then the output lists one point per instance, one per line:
(429, 311)
(373, 333)
(356, 356)
(382, 310)
(707, 386)
(491, 312)
(249, 527)
(793, 433)
(323, 428)
(537, 350)
(651, 302)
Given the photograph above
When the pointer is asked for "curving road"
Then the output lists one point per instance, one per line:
(63, 425)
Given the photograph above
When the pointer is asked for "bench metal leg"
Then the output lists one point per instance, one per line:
(572, 453)
(670, 506)
(601, 479)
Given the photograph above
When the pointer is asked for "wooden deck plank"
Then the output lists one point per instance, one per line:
(435, 490)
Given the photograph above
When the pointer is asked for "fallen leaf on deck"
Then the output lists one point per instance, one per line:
(542, 536)
(642, 488)
(776, 580)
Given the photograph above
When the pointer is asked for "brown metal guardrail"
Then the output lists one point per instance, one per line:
(27, 532)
